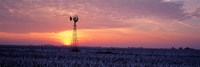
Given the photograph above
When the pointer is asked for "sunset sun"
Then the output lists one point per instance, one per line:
(66, 42)
(65, 37)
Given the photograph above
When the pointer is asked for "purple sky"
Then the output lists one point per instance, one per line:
(118, 23)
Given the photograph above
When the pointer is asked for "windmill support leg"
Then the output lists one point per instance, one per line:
(75, 40)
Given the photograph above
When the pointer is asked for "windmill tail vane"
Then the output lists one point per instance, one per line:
(70, 18)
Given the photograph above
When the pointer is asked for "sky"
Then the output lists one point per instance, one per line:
(102, 23)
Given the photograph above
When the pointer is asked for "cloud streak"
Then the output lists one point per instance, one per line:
(43, 15)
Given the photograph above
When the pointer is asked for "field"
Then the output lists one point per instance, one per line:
(54, 56)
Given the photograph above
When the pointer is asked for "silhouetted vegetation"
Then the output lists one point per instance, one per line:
(187, 48)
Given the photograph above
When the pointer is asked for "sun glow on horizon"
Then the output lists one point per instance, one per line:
(65, 37)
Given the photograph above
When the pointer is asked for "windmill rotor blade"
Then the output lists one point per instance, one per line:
(77, 19)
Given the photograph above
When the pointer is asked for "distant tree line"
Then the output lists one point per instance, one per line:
(186, 48)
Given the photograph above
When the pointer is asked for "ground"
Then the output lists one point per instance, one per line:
(59, 56)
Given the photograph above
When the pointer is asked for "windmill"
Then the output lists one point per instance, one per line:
(74, 35)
